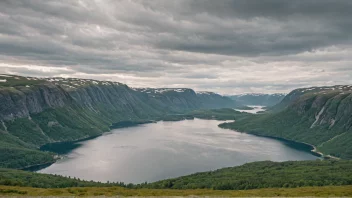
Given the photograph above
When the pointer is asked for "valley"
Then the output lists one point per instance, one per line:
(172, 99)
(108, 132)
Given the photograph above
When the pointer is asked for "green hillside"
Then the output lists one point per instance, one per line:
(321, 116)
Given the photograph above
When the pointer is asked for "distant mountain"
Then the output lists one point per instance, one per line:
(258, 99)
(180, 99)
(320, 116)
(213, 100)
(37, 111)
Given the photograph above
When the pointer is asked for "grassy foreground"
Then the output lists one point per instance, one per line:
(331, 191)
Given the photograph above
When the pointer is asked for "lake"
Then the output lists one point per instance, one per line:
(161, 150)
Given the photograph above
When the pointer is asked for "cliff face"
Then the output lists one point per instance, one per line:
(21, 101)
(321, 116)
(34, 112)
(329, 107)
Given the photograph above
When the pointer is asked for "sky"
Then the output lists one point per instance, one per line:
(225, 46)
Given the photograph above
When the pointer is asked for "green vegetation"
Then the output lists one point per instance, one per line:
(249, 176)
(22, 157)
(327, 191)
(11, 177)
(15, 153)
(265, 175)
(19, 145)
(305, 178)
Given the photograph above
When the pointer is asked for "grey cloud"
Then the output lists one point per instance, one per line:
(175, 43)
(201, 76)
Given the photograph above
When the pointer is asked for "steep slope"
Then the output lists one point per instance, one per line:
(321, 116)
(34, 112)
(258, 99)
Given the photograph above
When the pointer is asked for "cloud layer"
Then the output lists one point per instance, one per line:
(223, 46)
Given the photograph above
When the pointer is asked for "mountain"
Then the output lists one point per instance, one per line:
(258, 99)
(320, 116)
(37, 111)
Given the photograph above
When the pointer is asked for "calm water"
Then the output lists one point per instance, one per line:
(156, 151)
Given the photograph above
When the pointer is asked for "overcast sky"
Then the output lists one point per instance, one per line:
(222, 46)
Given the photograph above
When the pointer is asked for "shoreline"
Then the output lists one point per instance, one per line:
(32, 168)
(313, 150)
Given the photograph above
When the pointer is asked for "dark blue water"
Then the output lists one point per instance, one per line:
(156, 151)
